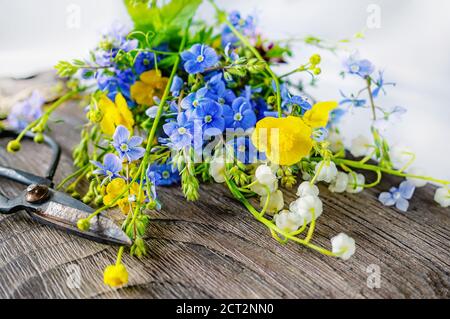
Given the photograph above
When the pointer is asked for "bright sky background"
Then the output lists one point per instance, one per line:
(412, 45)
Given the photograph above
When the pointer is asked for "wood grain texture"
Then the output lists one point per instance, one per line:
(215, 249)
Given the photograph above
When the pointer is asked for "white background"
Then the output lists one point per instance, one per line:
(412, 45)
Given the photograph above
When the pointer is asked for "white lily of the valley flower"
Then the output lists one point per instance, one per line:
(442, 197)
(355, 183)
(287, 221)
(360, 146)
(400, 155)
(261, 189)
(217, 169)
(328, 171)
(264, 175)
(417, 171)
(339, 185)
(306, 189)
(276, 202)
(336, 141)
(343, 246)
(306, 206)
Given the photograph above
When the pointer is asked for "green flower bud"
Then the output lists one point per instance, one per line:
(95, 116)
(13, 146)
(83, 224)
(151, 205)
(315, 59)
(138, 248)
(317, 71)
(76, 195)
(271, 100)
(39, 138)
(70, 189)
(87, 199)
(98, 200)
(39, 128)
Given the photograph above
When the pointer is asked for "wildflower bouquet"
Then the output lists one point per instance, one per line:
(178, 101)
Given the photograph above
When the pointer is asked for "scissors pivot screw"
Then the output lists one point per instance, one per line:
(37, 193)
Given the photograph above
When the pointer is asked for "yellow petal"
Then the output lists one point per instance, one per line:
(284, 140)
(142, 93)
(319, 115)
(105, 103)
(126, 117)
(116, 187)
(115, 275)
(110, 118)
(150, 77)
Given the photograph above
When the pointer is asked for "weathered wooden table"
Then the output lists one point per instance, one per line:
(215, 249)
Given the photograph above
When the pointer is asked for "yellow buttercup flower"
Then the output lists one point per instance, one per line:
(116, 188)
(287, 140)
(151, 84)
(319, 114)
(115, 114)
(115, 275)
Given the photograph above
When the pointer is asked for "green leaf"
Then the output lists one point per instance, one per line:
(167, 62)
(166, 21)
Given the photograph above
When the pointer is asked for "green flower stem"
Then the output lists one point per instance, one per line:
(141, 170)
(301, 230)
(368, 157)
(73, 175)
(410, 162)
(313, 180)
(312, 226)
(270, 225)
(44, 118)
(266, 204)
(374, 168)
(250, 185)
(159, 112)
(223, 18)
(378, 180)
(372, 102)
(119, 256)
(303, 68)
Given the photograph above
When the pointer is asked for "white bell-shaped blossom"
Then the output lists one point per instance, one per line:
(343, 246)
(276, 202)
(400, 155)
(417, 171)
(217, 169)
(355, 183)
(336, 141)
(339, 185)
(442, 197)
(261, 189)
(287, 221)
(305, 189)
(360, 146)
(328, 171)
(265, 176)
(306, 207)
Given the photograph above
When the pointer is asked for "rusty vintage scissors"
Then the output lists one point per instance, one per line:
(50, 207)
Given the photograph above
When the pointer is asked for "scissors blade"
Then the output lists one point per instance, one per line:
(64, 212)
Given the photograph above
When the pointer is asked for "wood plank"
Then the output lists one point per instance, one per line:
(215, 249)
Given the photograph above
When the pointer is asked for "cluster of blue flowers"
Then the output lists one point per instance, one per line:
(113, 78)
(194, 115)
(216, 107)
(211, 109)
(246, 26)
(26, 111)
(365, 70)
(128, 149)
